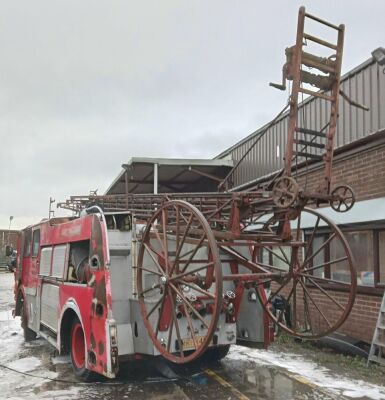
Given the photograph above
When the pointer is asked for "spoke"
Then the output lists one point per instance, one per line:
(288, 298)
(160, 315)
(242, 260)
(314, 303)
(275, 293)
(165, 243)
(151, 271)
(177, 209)
(176, 261)
(185, 254)
(299, 226)
(177, 238)
(276, 255)
(173, 278)
(320, 248)
(326, 280)
(263, 282)
(295, 305)
(190, 326)
(179, 293)
(176, 323)
(327, 294)
(150, 289)
(170, 334)
(198, 289)
(310, 243)
(193, 253)
(150, 250)
(155, 306)
(284, 255)
(307, 312)
(155, 230)
(326, 264)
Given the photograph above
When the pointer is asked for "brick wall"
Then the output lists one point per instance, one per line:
(364, 171)
(4, 239)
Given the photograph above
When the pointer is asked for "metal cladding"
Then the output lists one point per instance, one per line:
(365, 84)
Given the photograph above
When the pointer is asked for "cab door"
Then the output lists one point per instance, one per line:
(30, 270)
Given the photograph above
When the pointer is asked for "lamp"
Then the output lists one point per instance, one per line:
(379, 55)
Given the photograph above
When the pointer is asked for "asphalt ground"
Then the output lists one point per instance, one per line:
(42, 374)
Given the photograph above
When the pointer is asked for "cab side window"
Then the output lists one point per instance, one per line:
(27, 243)
(36, 243)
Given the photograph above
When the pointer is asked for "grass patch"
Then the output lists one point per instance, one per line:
(352, 367)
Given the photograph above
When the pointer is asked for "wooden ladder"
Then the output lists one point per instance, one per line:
(377, 349)
(328, 83)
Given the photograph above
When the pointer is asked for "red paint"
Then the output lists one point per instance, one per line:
(166, 314)
(92, 303)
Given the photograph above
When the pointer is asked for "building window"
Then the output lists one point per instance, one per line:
(363, 244)
(381, 257)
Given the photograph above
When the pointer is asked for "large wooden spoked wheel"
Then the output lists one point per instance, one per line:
(316, 290)
(179, 281)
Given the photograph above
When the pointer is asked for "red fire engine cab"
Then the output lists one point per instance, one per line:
(76, 286)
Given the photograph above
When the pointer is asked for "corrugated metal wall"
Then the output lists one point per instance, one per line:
(365, 84)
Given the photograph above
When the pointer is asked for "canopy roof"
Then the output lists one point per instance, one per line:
(170, 175)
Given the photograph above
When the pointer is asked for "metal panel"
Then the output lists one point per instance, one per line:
(49, 305)
(58, 260)
(364, 84)
(45, 261)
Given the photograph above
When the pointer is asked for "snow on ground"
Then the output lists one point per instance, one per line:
(314, 373)
(25, 364)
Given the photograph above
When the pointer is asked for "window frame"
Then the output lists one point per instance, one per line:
(378, 287)
(32, 252)
(27, 246)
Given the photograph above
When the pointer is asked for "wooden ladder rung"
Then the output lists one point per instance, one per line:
(308, 155)
(320, 41)
(310, 144)
(322, 21)
(323, 64)
(316, 94)
(310, 132)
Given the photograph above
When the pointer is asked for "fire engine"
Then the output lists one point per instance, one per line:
(180, 275)
(76, 286)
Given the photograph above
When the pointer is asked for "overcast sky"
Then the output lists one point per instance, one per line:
(87, 84)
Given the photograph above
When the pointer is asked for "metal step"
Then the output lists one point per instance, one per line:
(310, 132)
(308, 155)
(310, 144)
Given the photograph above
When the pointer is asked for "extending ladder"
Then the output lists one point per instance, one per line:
(377, 349)
(327, 80)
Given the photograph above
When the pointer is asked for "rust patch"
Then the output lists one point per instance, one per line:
(93, 341)
(101, 348)
(99, 309)
(100, 291)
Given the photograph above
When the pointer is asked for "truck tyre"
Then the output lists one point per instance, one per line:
(216, 353)
(78, 353)
(29, 334)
